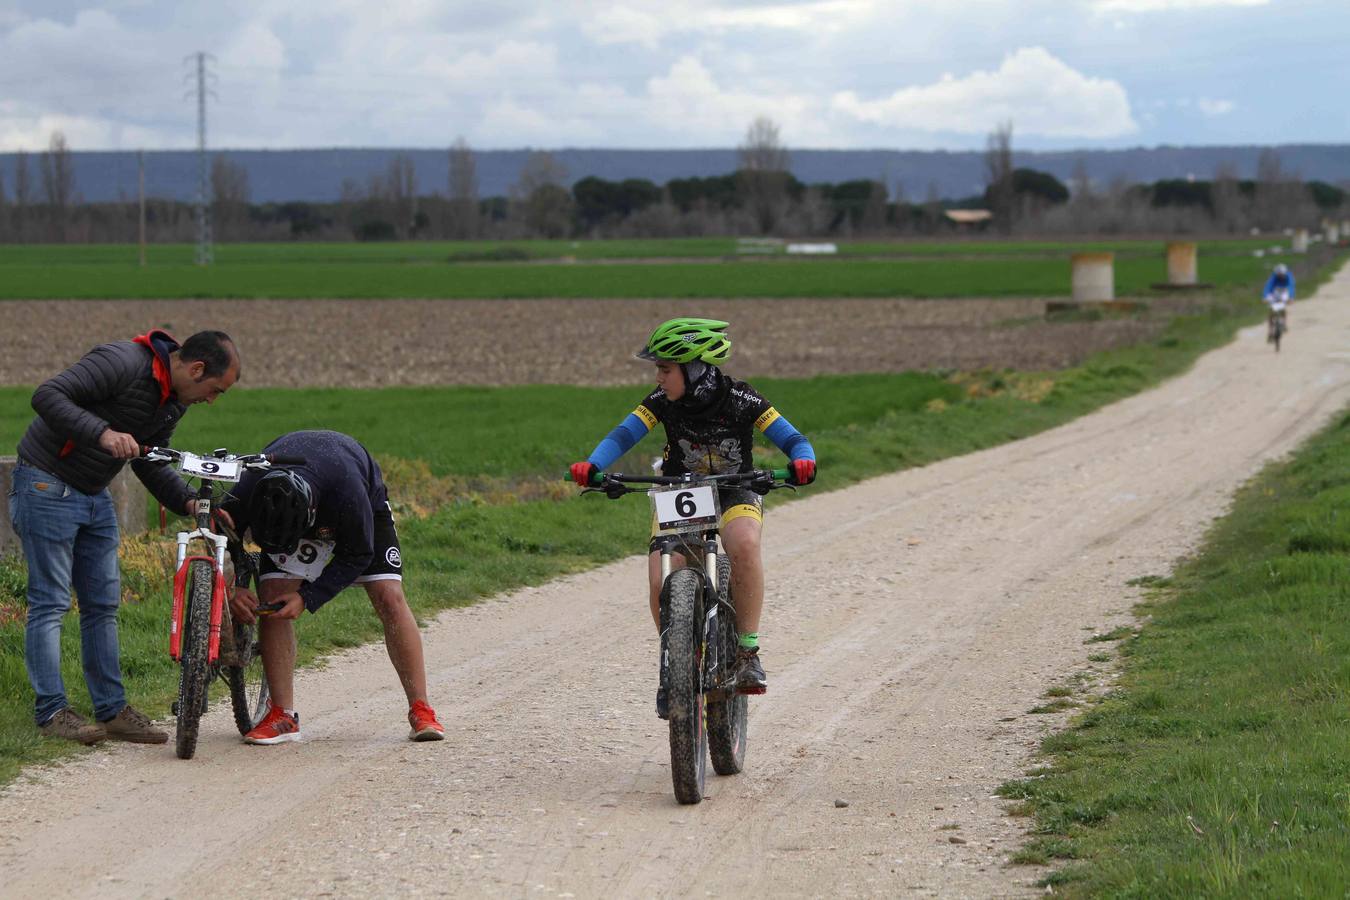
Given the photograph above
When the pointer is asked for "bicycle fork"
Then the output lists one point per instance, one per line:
(176, 617)
(711, 590)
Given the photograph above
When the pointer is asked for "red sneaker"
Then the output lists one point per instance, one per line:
(422, 718)
(277, 727)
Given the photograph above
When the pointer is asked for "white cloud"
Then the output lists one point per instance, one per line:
(1148, 6)
(1215, 107)
(647, 22)
(688, 101)
(1039, 93)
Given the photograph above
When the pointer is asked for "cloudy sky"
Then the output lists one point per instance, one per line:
(676, 73)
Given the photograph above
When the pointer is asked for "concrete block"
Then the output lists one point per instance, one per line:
(129, 496)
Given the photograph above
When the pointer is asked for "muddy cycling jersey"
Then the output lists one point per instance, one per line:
(351, 509)
(714, 439)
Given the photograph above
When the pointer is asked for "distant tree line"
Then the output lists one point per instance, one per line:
(39, 202)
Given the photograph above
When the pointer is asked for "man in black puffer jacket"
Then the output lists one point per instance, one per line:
(91, 419)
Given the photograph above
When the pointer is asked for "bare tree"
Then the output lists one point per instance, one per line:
(23, 195)
(873, 220)
(464, 216)
(230, 193)
(58, 183)
(763, 175)
(401, 184)
(543, 201)
(1281, 198)
(998, 170)
(932, 208)
(1226, 198)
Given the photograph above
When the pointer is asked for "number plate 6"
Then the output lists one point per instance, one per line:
(681, 508)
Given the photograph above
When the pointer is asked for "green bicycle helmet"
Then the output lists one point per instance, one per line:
(688, 340)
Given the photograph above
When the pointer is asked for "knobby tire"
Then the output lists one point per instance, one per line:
(688, 737)
(195, 672)
(728, 714)
(248, 687)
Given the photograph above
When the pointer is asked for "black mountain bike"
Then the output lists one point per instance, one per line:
(1275, 329)
(707, 716)
(203, 637)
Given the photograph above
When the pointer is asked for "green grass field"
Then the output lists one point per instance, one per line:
(932, 278)
(1220, 764)
(457, 270)
(477, 539)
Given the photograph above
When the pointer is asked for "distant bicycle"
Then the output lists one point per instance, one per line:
(203, 637)
(1277, 301)
(707, 716)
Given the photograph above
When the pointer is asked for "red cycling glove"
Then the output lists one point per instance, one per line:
(801, 471)
(582, 472)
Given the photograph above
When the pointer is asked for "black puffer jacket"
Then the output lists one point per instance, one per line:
(113, 386)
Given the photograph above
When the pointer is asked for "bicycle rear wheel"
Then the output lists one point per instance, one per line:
(728, 713)
(248, 687)
(684, 643)
(195, 672)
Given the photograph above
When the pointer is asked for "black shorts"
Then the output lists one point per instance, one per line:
(386, 565)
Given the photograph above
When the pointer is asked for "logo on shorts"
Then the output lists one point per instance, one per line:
(393, 557)
(324, 534)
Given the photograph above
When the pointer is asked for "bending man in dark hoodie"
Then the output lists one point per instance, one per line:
(91, 419)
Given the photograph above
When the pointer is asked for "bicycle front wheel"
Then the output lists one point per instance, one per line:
(688, 736)
(195, 672)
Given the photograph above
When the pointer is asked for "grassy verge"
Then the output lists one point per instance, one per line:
(366, 276)
(394, 253)
(475, 475)
(1220, 766)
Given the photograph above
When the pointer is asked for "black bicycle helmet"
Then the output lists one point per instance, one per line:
(280, 511)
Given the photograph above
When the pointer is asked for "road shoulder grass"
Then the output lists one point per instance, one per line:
(1219, 766)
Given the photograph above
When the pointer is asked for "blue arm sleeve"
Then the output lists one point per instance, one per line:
(789, 440)
(618, 442)
(1270, 286)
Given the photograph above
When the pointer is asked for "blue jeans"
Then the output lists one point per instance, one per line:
(69, 540)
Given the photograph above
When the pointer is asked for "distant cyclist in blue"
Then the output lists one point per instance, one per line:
(710, 420)
(1279, 289)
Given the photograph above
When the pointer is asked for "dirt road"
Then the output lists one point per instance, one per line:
(913, 620)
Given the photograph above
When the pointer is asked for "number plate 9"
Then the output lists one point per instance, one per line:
(203, 467)
(681, 508)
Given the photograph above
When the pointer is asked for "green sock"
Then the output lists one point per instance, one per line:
(750, 640)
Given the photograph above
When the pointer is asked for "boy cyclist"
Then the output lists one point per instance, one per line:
(710, 422)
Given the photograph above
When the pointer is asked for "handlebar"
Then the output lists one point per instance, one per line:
(164, 455)
(616, 484)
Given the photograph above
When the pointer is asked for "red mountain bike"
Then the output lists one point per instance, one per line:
(203, 637)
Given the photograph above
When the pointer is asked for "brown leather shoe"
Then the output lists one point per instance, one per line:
(133, 726)
(72, 726)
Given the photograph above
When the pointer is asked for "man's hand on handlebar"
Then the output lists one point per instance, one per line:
(119, 444)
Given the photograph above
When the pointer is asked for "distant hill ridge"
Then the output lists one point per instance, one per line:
(316, 175)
